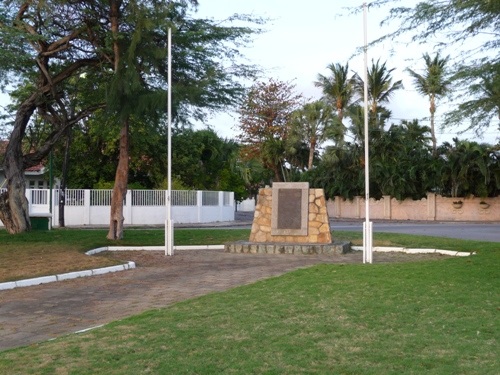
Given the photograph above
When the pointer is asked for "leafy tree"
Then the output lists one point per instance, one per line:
(381, 88)
(401, 162)
(265, 118)
(453, 23)
(313, 124)
(401, 165)
(122, 61)
(338, 89)
(200, 157)
(340, 171)
(469, 168)
(484, 105)
(434, 84)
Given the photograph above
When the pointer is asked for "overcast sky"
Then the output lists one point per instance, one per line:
(302, 38)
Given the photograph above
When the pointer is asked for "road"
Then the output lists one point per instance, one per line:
(471, 231)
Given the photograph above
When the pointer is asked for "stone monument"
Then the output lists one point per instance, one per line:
(290, 218)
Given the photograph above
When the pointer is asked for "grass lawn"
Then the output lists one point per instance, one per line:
(432, 317)
(42, 253)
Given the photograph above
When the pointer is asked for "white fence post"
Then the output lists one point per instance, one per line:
(127, 214)
(86, 207)
(199, 204)
(91, 207)
(221, 206)
(55, 207)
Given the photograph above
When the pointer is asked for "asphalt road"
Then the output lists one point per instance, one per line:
(471, 231)
(462, 230)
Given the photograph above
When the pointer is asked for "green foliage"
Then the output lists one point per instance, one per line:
(339, 89)
(457, 24)
(434, 84)
(469, 168)
(312, 125)
(202, 160)
(381, 89)
(401, 165)
(265, 119)
(86, 73)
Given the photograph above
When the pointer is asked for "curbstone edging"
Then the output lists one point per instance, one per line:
(73, 275)
(383, 249)
(36, 281)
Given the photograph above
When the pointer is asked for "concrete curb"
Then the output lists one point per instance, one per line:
(100, 271)
(131, 265)
(66, 276)
(383, 249)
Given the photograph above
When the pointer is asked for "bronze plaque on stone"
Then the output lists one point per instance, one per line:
(290, 203)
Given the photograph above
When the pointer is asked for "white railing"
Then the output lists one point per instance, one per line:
(141, 207)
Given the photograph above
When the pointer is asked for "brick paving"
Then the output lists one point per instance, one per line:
(38, 313)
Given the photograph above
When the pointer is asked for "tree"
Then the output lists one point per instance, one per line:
(453, 23)
(312, 124)
(468, 168)
(339, 90)
(41, 64)
(401, 162)
(381, 88)
(485, 104)
(124, 60)
(434, 84)
(265, 118)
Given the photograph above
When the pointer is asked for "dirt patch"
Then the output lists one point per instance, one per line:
(44, 261)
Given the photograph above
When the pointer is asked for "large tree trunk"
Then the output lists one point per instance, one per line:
(14, 208)
(120, 188)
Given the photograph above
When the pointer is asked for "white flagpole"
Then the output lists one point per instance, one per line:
(169, 228)
(367, 227)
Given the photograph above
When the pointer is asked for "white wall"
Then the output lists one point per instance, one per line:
(84, 213)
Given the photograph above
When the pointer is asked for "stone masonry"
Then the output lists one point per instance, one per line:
(318, 227)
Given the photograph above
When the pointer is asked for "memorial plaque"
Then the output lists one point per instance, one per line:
(289, 208)
(290, 211)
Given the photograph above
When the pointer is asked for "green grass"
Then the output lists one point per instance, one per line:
(42, 253)
(433, 317)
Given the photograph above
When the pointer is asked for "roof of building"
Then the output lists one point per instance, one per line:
(34, 170)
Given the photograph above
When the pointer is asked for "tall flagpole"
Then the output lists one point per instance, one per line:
(169, 228)
(367, 226)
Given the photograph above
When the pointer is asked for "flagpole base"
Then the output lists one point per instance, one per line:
(169, 237)
(367, 242)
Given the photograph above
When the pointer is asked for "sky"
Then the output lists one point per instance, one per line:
(303, 38)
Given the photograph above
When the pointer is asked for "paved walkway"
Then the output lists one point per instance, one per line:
(38, 313)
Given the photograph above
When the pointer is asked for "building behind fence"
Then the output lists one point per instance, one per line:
(141, 207)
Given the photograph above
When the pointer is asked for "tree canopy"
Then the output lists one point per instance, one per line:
(90, 55)
(472, 28)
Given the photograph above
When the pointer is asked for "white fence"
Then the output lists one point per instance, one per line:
(141, 207)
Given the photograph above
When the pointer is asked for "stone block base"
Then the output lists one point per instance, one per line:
(286, 248)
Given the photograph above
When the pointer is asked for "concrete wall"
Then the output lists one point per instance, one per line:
(432, 208)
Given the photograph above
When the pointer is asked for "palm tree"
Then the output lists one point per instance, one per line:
(312, 124)
(434, 84)
(338, 88)
(465, 169)
(380, 90)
